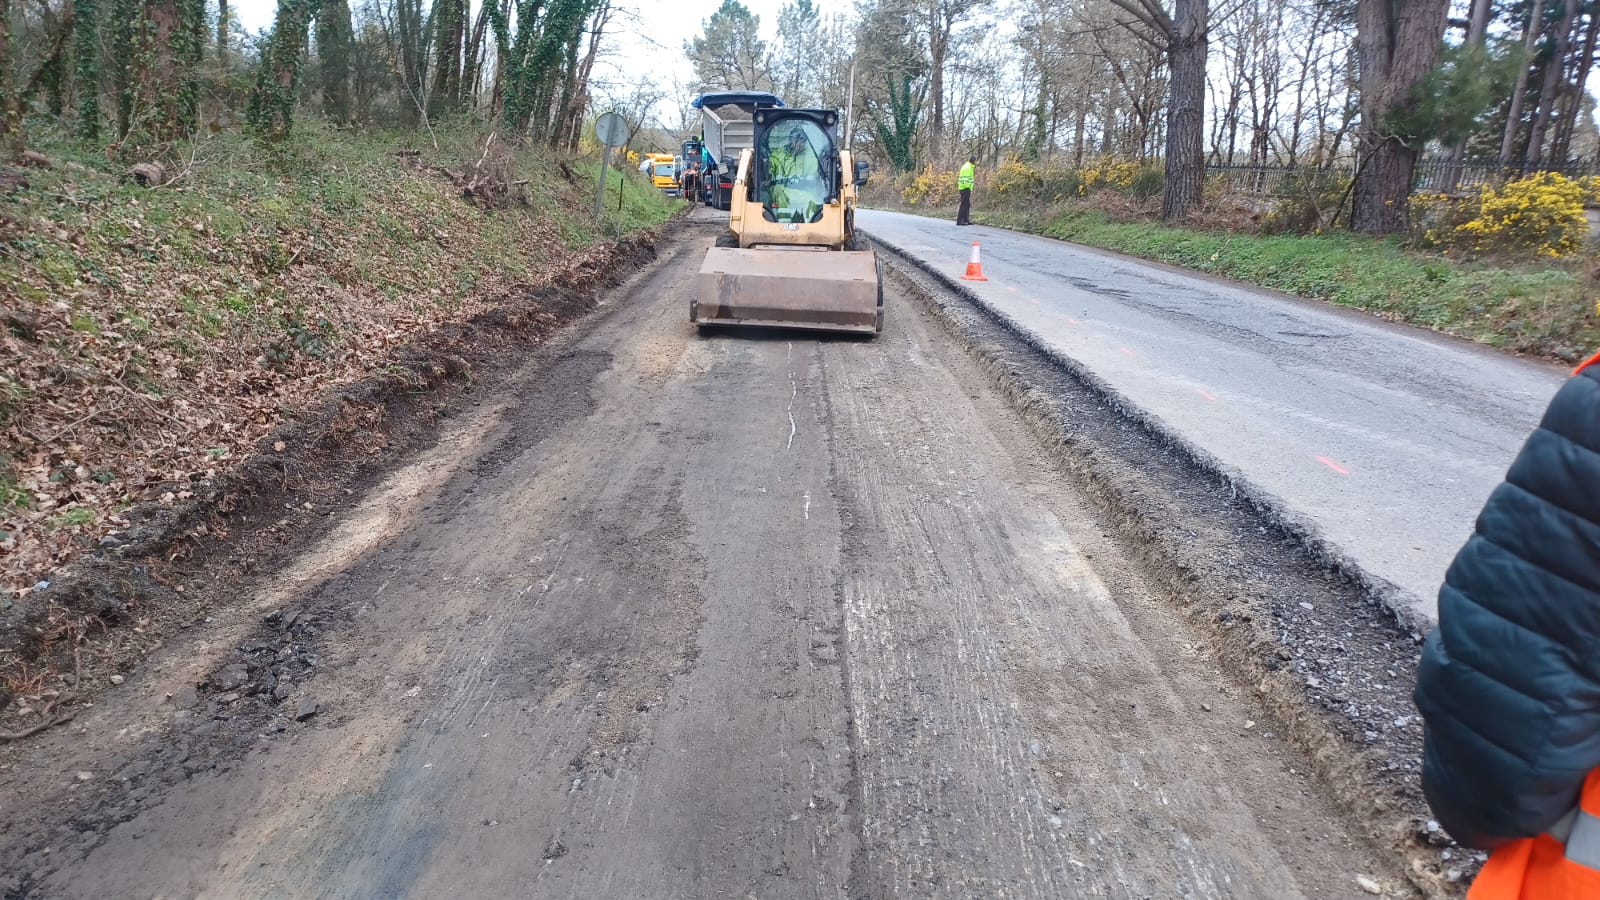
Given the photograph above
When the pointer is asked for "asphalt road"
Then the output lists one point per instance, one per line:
(1383, 440)
(671, 616)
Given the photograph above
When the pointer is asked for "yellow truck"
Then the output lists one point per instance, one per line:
(664, 172)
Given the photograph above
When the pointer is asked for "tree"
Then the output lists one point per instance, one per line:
(541, 63)
(271, 111)
(794, 66)
(449, 48)
(730, 54)
(222, 33)
(334, 37)
(1477, 36)
(575, 93)
(892, 80)
(1552, 87)
(10, 111)
(1397, 46)
(1577, 100)
(157, 46)
(941, 20)
(1530, 38)
(86, 50)
(1182, 36)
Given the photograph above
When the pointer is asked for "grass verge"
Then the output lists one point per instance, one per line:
(1538, 310)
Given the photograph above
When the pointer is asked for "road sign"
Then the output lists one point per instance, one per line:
(610, 130)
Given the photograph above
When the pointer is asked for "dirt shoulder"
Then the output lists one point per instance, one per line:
(1325, 656)
(200, 366)
(168, 566)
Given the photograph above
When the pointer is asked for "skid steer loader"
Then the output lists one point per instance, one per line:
(790, 257)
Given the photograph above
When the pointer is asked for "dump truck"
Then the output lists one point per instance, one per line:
(692, 160)
(791, 257)
(664, 172)
(727, 128)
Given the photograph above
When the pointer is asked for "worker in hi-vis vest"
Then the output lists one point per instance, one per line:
(964, 185)
(1508, 681)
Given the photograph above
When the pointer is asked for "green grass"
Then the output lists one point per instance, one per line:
(12, 496)
(1542, 311)
(221, 243)
(72, 518)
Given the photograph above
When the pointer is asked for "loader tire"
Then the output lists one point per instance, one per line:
(728, 239)
(878, 326)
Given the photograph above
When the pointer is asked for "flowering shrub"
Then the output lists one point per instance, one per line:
(930, 188)
(1106, 173)
(1591, 189)
(1541, 215)
(1016, 180)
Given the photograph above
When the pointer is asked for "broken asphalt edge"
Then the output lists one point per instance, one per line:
(1401, 604)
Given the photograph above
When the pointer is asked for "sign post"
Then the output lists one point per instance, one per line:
(612, 133)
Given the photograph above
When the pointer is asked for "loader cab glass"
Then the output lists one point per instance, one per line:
(795, 171)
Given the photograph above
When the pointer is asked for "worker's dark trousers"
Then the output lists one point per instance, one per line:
(964, 213)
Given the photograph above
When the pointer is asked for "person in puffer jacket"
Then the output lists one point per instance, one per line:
(1509, 686)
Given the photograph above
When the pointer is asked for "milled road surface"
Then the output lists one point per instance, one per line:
(740, 615)
(1383, 439)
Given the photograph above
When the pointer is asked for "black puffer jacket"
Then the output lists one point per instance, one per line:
(1509, 687)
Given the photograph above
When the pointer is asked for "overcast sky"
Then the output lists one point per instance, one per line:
(646, 40)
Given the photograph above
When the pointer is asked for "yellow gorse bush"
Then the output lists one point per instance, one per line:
(1015, 179)
(930, 187)
(1541, 214)
(1591, 189)
(1106, 173)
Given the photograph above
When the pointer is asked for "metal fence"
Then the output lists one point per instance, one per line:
(1438, 174)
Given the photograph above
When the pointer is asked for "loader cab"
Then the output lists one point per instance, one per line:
(796, 165)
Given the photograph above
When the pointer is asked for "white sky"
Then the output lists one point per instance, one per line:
(645, 41)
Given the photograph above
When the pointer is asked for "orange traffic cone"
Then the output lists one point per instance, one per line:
(974, 266)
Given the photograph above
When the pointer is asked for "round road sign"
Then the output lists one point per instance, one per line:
(610, 130)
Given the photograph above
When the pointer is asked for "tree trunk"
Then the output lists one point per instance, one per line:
(1550, 91)
(1186, 111)
(50, 74)
(271, 112)
(86, 48)
(1519, 94)
(409, 28)
(1077, 135)
(10, 118)
(577, 101)
(472, 74)
(1397, 43)
(936, 92)
(1561, 147)
(222, 32)
(334, 36)
(161, 78)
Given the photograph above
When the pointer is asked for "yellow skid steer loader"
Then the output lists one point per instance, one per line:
(790, 257)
